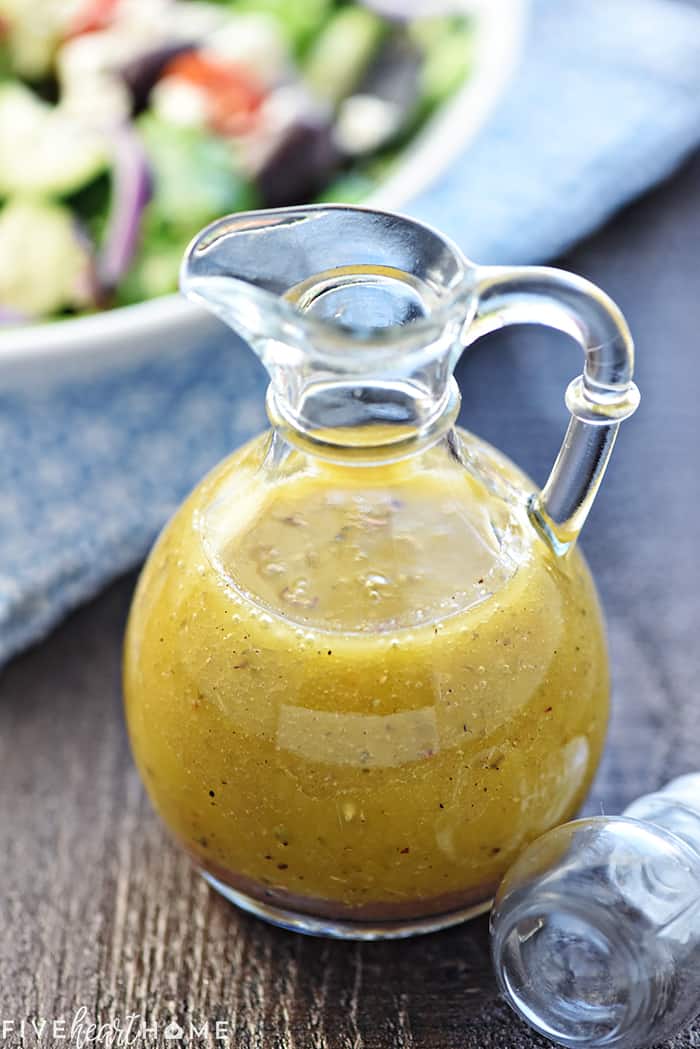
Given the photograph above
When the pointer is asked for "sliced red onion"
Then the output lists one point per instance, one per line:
(131, 191)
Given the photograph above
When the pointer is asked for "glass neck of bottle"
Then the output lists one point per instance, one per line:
(366, 421)
(372, 385)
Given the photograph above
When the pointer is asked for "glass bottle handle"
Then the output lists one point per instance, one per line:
(599, 399)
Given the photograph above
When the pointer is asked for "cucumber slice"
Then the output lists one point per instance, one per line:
(342, 52)
(32, 30)
(44, 151)
(449, 58)
(299, 20)
(44, 267)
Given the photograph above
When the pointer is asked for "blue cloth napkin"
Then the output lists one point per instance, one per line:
(605, 103)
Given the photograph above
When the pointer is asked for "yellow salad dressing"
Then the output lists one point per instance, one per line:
(360, 691)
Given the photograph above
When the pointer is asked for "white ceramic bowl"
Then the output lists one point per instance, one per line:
(43, 353)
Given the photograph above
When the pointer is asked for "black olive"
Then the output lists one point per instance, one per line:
(299, 167)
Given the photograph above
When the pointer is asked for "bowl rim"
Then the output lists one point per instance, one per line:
(500, 27)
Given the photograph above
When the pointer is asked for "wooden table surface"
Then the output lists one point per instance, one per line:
(98, 912)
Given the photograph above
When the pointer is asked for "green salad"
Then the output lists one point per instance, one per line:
(126, 125)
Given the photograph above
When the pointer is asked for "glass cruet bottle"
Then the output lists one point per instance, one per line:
(365, 664)
(596, 927)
